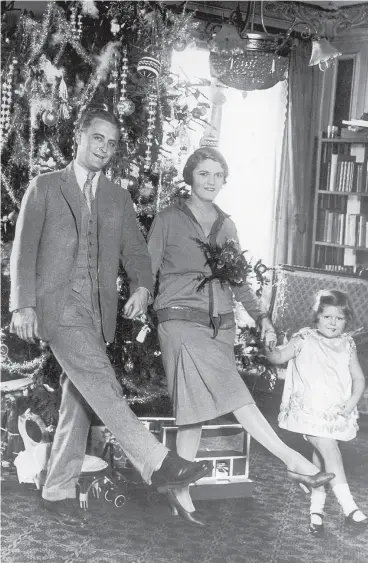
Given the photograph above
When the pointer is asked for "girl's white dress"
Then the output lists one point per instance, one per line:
(317, 382)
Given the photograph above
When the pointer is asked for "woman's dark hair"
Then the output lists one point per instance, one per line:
(204, 153)
(332, 298)
(96, 113)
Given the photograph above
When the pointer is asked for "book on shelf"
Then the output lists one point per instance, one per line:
(340, 173)
(351, 229)
(362, 231)
(332, 259)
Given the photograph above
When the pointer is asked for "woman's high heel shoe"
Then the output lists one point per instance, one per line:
(311, 481)
(177, 509)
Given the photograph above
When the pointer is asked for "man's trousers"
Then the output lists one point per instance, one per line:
(89, 378)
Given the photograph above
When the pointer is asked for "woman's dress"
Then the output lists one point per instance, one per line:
(201, 371)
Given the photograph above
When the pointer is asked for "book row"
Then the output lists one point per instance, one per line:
(339, 228)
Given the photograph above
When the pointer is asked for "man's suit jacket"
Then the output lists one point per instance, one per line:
(45, 248)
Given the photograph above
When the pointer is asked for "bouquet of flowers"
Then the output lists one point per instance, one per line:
(229, 265)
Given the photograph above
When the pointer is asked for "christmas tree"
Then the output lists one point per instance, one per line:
(115, 54)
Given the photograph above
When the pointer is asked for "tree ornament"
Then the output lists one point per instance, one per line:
(149, 67)
(128, 366)
(64, 109)
(125, 107)
(202, 110)
(50, 117)
(132, 182)
(79, 26)
(7, 98)
(115, 26)
(152, 106)
(196, 113)
(146, 189)
(179, 45)
(73, 22)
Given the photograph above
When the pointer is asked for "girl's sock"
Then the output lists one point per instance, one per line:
(318, 499)
(346, 501)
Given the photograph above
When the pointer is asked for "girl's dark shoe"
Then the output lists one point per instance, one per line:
(358, 525)
(177, 509)
(311, 481)
(316, 529)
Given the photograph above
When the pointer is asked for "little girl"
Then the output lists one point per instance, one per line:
(323, 384)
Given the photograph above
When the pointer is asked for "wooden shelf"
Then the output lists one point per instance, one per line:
(347, 141)
(357, 194)
(337, 245)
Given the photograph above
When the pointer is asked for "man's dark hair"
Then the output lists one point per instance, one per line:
(96, 113)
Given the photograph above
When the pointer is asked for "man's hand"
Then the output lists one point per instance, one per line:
(24, 324)
(137, 303)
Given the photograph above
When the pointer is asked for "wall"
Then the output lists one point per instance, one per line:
(354, 44)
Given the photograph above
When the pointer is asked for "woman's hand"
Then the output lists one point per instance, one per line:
(268, 334)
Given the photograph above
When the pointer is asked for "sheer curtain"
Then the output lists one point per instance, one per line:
(293, 215)
(251, 137)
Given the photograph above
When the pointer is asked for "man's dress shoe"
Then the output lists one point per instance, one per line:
(178, 472)
(66, 512)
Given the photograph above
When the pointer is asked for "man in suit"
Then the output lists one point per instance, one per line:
(73, 228)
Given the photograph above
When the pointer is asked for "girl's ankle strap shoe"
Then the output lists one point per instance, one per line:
(358, 524)
(316, 529)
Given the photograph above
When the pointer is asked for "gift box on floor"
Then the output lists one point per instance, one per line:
(226, 444)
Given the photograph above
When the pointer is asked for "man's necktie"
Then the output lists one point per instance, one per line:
(87, 189)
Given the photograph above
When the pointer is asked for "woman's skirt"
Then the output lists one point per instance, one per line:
(203, 380)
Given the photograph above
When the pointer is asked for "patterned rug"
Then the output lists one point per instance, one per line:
(269, 527)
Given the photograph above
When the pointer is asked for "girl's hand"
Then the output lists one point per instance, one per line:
(346, 409)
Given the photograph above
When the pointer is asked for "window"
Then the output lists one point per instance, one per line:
(251, 134)
(343, 90)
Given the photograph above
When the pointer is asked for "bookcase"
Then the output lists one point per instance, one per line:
(340, 214)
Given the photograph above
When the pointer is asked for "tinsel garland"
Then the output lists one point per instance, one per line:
(32, 368)
(6, 184)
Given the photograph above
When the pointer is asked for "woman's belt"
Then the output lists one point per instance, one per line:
(225, 320)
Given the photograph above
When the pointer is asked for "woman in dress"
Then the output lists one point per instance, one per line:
(323, 385)
(197, 329)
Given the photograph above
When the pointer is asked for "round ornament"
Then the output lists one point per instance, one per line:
(179, 45)
(146, 190)
(50, 118)
(149, 67)
(126, 107)
(196, 113)
(132, 182)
